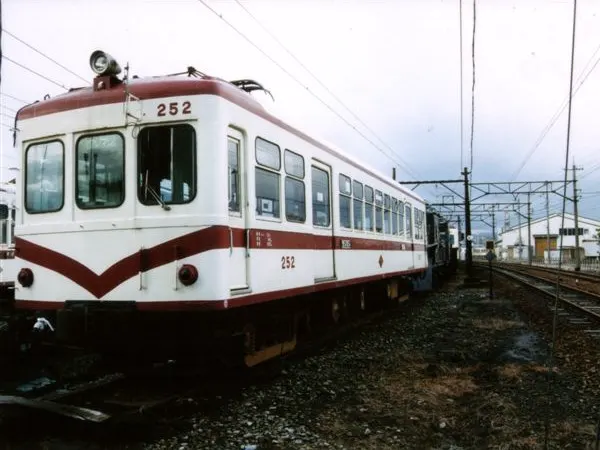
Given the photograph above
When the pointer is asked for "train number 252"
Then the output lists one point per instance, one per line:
(173, 108)
(288, 262)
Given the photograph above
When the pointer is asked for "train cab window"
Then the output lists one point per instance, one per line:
(44, 177)
(408, 217)
(167, 165)
(378, 211)
(295, 203)
(394, 216)
(369, 197)
(357, 189)
(345, 201)
(320, 197)
(267, 178)
(100, 171)
(387, 205)
(233, 170)
(401, 218)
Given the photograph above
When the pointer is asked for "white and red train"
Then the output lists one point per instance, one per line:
(8, 268)
(170, 208)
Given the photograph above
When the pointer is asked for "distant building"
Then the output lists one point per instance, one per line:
(512, 243)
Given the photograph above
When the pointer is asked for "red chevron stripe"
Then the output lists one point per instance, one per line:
(212, 238)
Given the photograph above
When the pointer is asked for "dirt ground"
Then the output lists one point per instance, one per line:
(453, 371)
(480, 376)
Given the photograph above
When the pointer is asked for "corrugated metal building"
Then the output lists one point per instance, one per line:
(546, 233)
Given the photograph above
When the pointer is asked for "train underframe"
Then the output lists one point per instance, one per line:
(245, 336)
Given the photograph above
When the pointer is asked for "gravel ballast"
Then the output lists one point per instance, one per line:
(454, 371)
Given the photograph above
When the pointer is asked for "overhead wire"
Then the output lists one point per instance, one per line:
(552, 352)
(36, 73)
(591, 171)
(46, 56)
(559, 111)
(318, 80)
(14, 98)
(473, 83)
(462, 132)
(403, 166)
(10, 109)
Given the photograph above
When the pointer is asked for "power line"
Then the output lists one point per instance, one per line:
(558, 113)
(406, 168)
(564, 207)
(462, 132)
(591, 171)
(15, 98)
(10, 109)
(36, 73)
(318, 80)
(473, 85)
(46, 56)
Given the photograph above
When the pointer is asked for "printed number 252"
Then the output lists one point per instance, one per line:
(287, 262)
(186, 108)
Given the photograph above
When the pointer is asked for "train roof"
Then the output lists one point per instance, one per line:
(172, 86)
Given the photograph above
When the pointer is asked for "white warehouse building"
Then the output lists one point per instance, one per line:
(513, 242)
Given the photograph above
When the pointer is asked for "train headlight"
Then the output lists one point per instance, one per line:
(25, 277)
(104, 64)
(187, 274)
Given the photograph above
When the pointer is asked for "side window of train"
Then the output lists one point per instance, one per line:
(233, 171)
(408, 217)
(369, 197)
(268, 157)
(420, 227)
(387, 216)
(345, 201)
(357, 189)
(419, 222)
(44, 177)
(295, 194)
(100, 171)
(320, 197)
(394, 216)
(378, 211)
(167, 164)
(401, 222)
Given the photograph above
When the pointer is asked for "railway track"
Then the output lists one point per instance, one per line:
(121, 395)
(577, 304)
(580, 281)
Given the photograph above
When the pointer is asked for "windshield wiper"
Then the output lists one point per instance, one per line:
(148, 188)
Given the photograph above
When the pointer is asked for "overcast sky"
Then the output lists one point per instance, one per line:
(395, 64)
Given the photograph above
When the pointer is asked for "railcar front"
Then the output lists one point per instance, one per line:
(119, 207)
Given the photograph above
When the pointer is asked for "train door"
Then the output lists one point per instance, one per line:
(322, 216)
(238, 213)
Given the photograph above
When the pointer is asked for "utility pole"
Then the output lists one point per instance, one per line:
(520, 228)
(468, 247)
(577, 256)
(493, 225)
(529, 228)
(548, 223)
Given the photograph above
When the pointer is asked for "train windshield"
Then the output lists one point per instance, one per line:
(167, 165)
(100, 171)
(44, 172)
